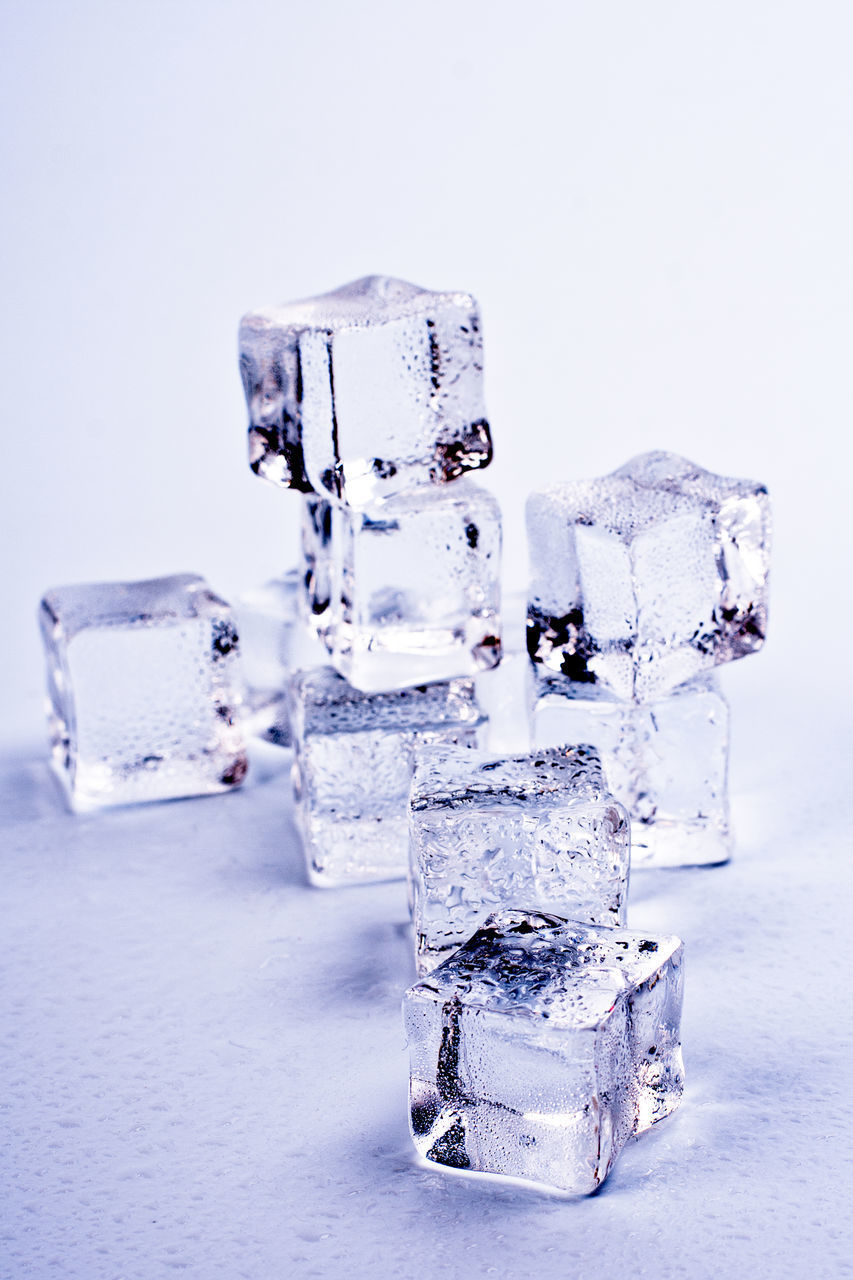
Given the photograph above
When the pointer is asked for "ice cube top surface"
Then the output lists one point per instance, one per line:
(103, 604)
(650, 488)
(644, 578)
(532, 965)
(368, 391)
(452, 778)
(324, 702)
(372, 300)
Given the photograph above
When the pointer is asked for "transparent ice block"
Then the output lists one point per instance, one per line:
(353, 765)
(417, 590)
(666, 761)
(268, 617)
(502, 691)
(367, 391)
(274, 642)
(645, 578)
(144, 690)
(542, 1045)
(540, 829)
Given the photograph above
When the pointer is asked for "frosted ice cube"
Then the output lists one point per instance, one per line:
(644, 578)
(353, 766)
(144, 690)
(542, 1045)
(539, 829)
(367, 391)
(666, 761)
(417, 590)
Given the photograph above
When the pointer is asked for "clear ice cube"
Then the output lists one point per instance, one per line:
(666, 761)
(367, 391)
(642, 579)
(502, 690)
(353, 765)
(144, 691)
(415, 588)
(268, 618)
(274, 642)
(542, 1045)
(538, 829)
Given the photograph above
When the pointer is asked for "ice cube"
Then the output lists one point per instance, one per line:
(538, 829)
(268, 618)
(502, 691)
(542, 1045)
(274, 642)
(144, 690)
(367, 391)
(642, 579)
(416, 596)
(353, 765)
(666, 761)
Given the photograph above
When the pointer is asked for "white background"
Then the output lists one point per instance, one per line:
(653, 203)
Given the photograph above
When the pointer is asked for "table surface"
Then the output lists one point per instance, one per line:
(205, 1069)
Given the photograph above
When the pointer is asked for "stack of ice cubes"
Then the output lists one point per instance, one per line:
(642, 583)
(543, 1034)
(369, 402)
(541, 1042)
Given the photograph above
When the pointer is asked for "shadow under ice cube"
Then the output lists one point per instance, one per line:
(642, 579)
(143, 689)
(367, 391)
(666, 761)
(542, 1045)
(541, 829)
(353, 765)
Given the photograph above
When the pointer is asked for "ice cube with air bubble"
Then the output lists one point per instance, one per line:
(646, 578)
(366, 392)
(144, 690)
(541, 1046)
(539, 828)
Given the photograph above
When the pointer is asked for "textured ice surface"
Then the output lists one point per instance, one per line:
(542, 1045)
(367, 391)
(644, 578)
(143, 690)
(415, 587)
(353, 765)
(666, 761)
(536, 830)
